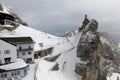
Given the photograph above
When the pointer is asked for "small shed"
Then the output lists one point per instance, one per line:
(43, 53)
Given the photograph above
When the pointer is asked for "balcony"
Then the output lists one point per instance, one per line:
(22, 50)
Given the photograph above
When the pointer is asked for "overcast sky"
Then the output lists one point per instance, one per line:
(60, 16)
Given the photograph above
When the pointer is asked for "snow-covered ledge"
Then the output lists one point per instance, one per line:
(17, 69)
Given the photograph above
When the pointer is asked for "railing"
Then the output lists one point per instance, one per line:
(21, 50)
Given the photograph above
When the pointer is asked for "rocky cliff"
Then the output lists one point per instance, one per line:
(98, 51)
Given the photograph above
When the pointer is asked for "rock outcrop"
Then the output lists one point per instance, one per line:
(99, 56)
(89, 41)
(85, 22)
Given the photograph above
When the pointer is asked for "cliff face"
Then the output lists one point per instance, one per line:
(99, 55)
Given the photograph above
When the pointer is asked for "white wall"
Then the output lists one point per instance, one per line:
(6, 46)
(26, 46)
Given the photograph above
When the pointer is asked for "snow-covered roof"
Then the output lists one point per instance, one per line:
(17, 65)
(17, 40)
(114, 76)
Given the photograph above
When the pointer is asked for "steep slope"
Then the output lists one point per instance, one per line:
(70, 67)
(38, 37)
(66, 62)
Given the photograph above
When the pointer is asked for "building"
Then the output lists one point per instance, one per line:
(7, 21)
(4, 17)
(13, 70)
(10, 66)
(43, 52)
(7, 53)
(25, 47)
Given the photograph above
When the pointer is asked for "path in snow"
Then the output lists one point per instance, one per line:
(31, 73)
(35, 71)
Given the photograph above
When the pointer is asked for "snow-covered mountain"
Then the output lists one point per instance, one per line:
(48, 40)
(84, 55)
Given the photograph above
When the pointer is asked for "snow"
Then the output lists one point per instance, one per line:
(31, 73)
(17, 65)
(41, 69)
(46, 39)
(66, 46)
(5, 10)
(66, 62)
(6, 25)
(114, 76)
(38, 37)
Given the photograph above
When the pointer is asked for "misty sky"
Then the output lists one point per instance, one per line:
(60, 16)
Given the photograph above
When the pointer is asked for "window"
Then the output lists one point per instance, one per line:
(29, 47)
(18, 72)
(29, 53)
(7, 51)
(7, 60)
(20, 48)
(23, 53)
(41, 44)
(4, 75)
(29, 60)
(14, 73)
(17, 54)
